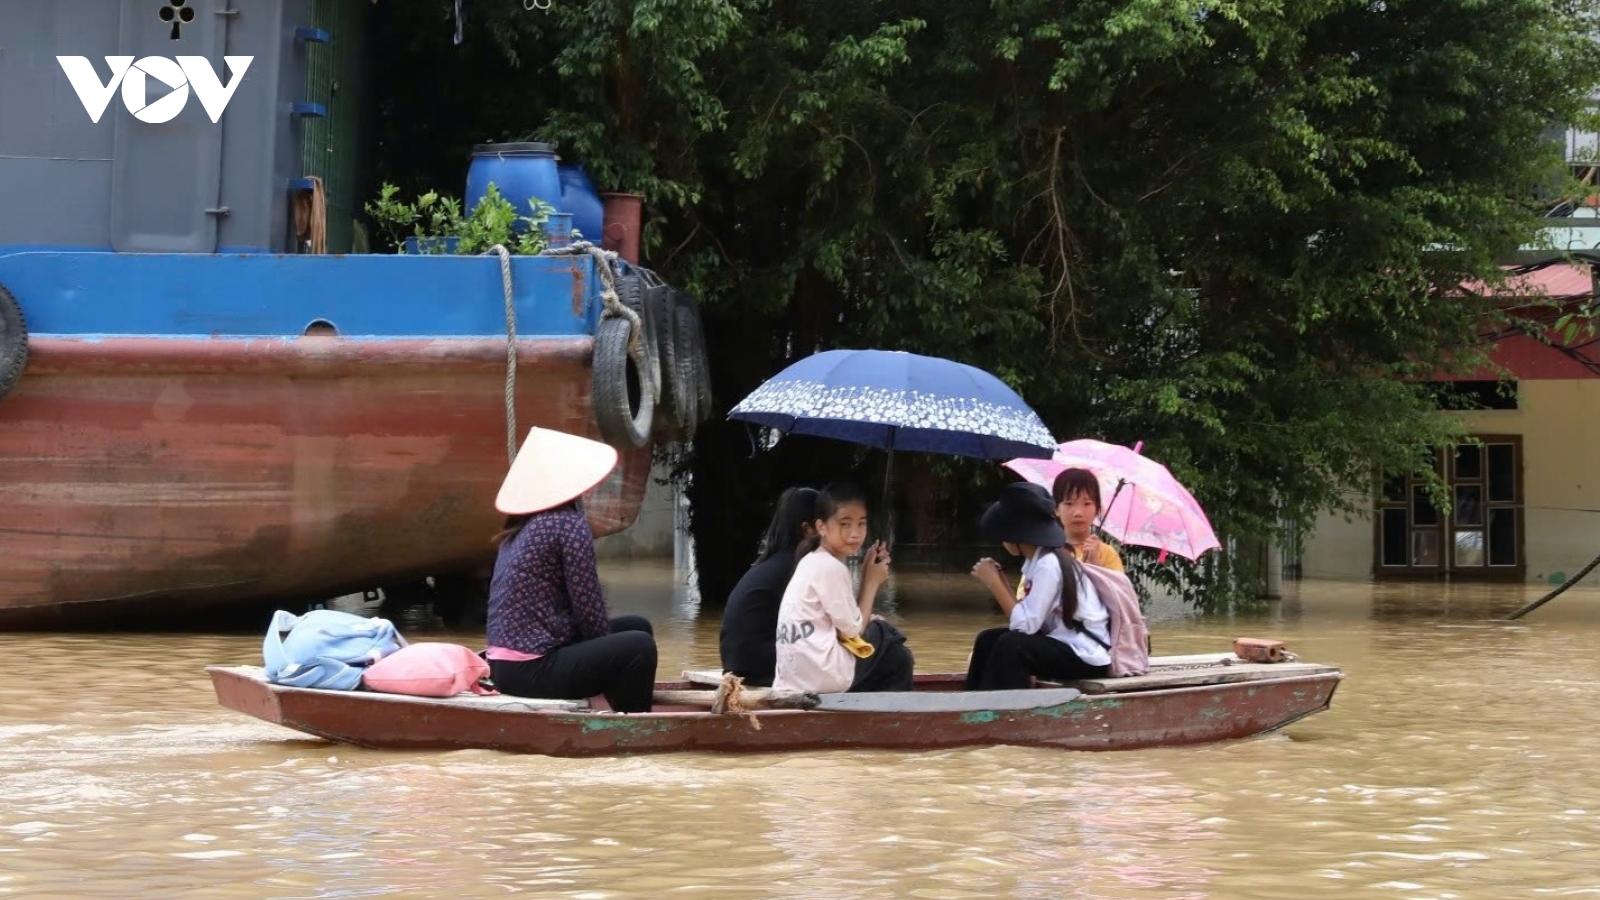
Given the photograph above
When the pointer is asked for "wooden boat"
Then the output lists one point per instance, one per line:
(1184, 700)
(197, 432)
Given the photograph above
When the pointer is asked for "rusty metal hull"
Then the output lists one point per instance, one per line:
(1122, 721)
(159, 476)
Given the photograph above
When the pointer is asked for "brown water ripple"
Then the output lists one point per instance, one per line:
(1456, 763)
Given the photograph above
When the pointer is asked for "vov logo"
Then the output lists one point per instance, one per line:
(134, 78)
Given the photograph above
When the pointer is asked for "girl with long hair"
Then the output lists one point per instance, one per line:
(828, 639)
(750, 621)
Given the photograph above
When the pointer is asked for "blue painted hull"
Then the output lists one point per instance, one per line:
(262, 295)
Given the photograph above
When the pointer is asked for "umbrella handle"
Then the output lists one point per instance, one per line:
(1106, 510)
(888, 505)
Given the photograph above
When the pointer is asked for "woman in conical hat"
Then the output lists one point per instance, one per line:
(549, 633)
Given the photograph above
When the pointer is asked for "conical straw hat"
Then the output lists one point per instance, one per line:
(552, 468)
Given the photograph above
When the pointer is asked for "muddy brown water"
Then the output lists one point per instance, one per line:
(1457, 762)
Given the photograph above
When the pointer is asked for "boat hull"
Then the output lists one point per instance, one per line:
(153, 478)
(1120, 721)
(204, 433)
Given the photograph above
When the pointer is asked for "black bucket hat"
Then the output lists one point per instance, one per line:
(1023, 515)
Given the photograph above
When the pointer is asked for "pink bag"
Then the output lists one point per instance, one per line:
(428, 670)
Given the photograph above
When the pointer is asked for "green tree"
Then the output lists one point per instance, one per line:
(1232, 229)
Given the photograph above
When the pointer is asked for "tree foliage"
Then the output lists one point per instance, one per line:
(1232, 229)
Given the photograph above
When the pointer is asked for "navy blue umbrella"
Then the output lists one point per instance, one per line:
(895, 400)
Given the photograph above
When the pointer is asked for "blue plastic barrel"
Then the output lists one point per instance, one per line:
(579, 197)
(520, 171)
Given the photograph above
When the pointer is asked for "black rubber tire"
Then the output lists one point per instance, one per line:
(659, 303)
(702, 365)
(622, 404)
(631, 291)
(13, 341)
(686, 369)
(663, 308)
(675, 418)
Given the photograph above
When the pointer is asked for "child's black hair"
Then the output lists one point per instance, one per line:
(796, 507)
(829, 499)
(1070, 576)
(1072, 482)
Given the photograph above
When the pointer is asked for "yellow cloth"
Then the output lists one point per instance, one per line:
(857, 646)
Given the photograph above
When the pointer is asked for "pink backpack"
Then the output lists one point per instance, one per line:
(428, 670)
(1130, 636)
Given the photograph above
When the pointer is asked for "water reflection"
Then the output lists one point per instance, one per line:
(1454, 763)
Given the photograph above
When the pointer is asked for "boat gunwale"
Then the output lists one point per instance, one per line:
(466, 701)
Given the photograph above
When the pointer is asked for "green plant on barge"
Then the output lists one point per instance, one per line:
(434, 218)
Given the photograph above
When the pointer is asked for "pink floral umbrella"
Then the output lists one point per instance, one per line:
(1145, 505)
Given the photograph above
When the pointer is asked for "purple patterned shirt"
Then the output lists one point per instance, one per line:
(545, 592)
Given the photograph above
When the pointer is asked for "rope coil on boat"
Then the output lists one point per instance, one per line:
(729, 700)
(619, 338)
(606, 263)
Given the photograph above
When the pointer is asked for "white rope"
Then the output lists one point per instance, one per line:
(605, 262)
(511, 351)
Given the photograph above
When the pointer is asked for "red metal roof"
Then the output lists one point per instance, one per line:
(1557, 280)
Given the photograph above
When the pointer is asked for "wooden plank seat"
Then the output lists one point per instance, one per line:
(1191, 677)
(712, 677)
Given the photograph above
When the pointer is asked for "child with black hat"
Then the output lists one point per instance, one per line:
(1059, 627)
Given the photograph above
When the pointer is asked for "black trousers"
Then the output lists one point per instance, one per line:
(889, 668)
(621, 665)
(1003, 659)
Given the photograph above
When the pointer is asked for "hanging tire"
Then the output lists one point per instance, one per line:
(702, 365)
(685, 366)
(13, 341)
(621, 388)
(663, 305)
(631, 290)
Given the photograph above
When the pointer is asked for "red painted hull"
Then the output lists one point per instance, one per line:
(1121, 721)
(158, 476)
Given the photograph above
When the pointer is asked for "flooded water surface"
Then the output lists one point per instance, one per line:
(1457, 761)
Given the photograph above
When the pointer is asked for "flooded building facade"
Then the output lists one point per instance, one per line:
(1525, 494)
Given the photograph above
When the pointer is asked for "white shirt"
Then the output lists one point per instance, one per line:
(1041, 605)
(818, 606)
